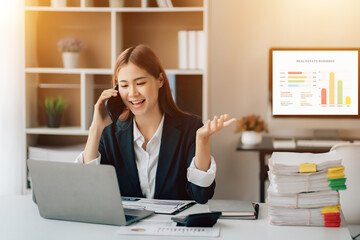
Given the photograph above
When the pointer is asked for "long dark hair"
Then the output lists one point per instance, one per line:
(143, 57)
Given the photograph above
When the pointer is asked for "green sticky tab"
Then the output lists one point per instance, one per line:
(337, 181)
(342, 187)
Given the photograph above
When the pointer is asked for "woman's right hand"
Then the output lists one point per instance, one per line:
(101, 117)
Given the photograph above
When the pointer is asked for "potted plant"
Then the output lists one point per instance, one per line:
(70, 48)
(251, 127)
(54, 108)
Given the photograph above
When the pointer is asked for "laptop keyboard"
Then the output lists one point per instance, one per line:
(129, 217)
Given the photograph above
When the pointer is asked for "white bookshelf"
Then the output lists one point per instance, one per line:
(72, 131)
(106, 32)
(108, 9)
(106, 71)
(69, 70)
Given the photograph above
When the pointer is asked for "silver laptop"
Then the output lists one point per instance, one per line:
(80, 192)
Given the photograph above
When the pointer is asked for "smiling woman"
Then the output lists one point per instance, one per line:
(158, 151)
(12, 93)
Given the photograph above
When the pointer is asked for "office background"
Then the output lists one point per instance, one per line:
(240, 35)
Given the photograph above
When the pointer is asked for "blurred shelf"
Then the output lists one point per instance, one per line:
(108, 9)
(70, 85)
(58, 85)
(77, 131)
(184, 72)
(105, 71)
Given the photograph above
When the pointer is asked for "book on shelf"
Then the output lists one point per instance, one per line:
(144, 3)
(169, 4)
(234, 209)
(182, 50)
(191, 50)
(201, 49)
(164, 3)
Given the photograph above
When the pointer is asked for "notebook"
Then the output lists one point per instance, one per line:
(234, 209)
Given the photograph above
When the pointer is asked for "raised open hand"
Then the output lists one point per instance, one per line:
(214, 126)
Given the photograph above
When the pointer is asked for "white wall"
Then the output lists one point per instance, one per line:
(241, 34)
(12, 94)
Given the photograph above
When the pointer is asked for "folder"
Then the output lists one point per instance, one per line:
(235, 209)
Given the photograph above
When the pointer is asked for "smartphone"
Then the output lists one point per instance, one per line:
(114, 105)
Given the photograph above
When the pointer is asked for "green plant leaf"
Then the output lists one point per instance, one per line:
(54, 106)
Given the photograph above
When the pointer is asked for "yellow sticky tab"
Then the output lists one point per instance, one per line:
(335, 175)
(331, 209)
(336, 172)
(336, 169)
(307, 167)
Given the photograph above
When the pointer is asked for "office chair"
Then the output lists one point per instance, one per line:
(349, 199)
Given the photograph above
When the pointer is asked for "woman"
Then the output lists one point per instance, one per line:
(158, 151)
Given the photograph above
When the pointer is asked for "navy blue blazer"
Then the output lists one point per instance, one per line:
(177, 150)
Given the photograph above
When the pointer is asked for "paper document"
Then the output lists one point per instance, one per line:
(167, 228)
(288, 162)
(284, 143)
(158, 206)
(303, 199)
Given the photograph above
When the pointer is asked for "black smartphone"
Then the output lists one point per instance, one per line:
(115, 106)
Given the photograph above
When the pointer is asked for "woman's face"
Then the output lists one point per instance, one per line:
(139, 90)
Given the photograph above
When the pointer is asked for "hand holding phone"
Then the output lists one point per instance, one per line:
(114, 105)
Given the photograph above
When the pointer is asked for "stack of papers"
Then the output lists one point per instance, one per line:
(303, 199)
(304, 189)
(56, 153)
(326, 216)
(299, 216)
(299, 182)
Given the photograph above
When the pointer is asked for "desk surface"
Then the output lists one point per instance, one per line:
(20, 219)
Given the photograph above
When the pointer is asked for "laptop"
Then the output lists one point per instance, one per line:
(80, 192)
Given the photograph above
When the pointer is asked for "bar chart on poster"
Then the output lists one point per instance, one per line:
(315, 82)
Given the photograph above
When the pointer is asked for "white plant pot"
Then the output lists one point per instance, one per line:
(70, 59)
(251, 138)
(116, 3)
(58, 3)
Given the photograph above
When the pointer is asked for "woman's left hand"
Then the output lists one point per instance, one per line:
(214, 126)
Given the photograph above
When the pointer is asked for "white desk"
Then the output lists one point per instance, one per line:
(20, 219)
